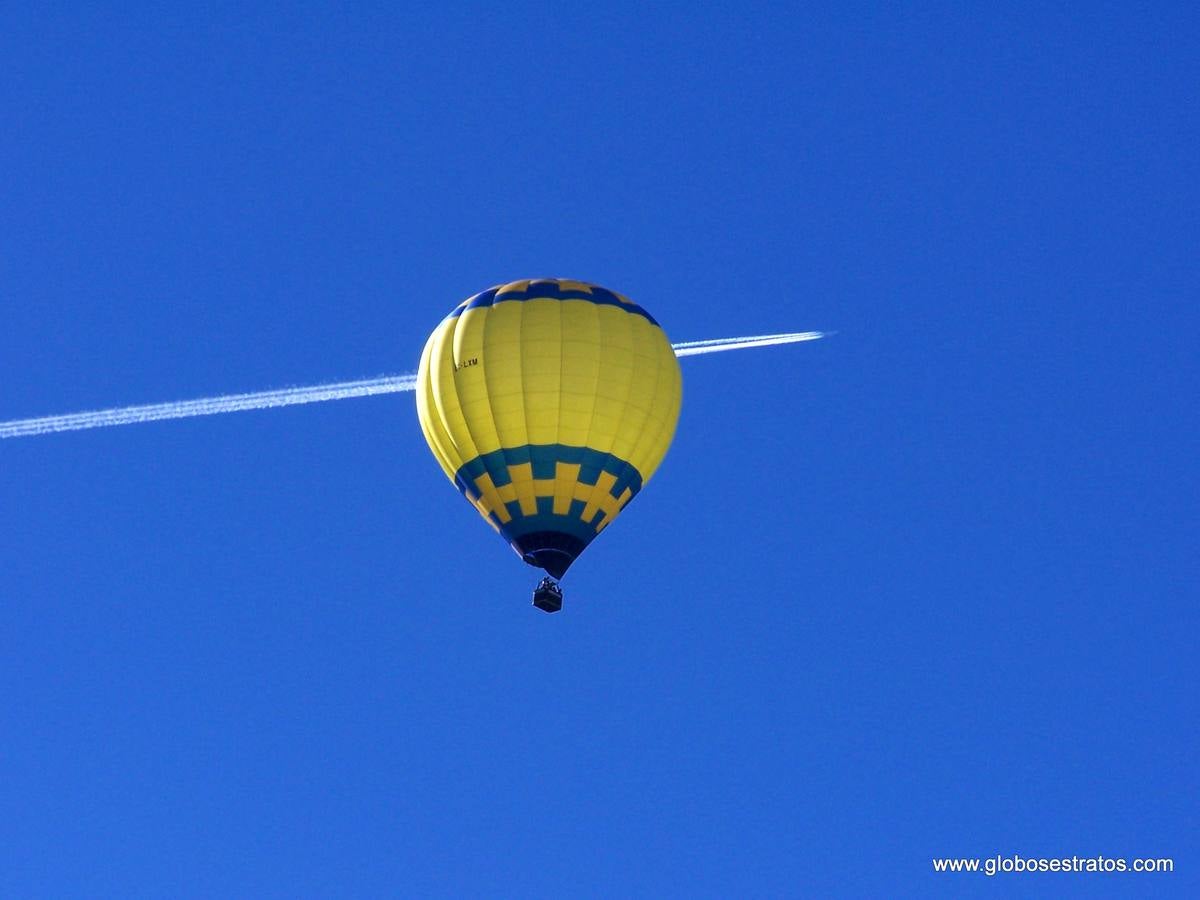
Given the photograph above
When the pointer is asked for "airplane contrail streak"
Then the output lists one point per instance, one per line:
(208, 406)
(341, 390)
(716, 345)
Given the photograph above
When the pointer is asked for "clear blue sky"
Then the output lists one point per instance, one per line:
(927, 588)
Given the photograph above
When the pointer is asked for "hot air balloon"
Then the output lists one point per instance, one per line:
(549, 404)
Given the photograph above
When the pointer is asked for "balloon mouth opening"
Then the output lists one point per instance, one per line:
(552, 551)
(555, 562)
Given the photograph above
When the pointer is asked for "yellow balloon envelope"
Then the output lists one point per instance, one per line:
(549, 404)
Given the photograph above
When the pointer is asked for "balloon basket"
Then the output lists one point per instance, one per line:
(548, 596)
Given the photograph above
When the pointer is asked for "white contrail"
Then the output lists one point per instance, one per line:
(716, 345)
(208, 406)
(384, 384)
